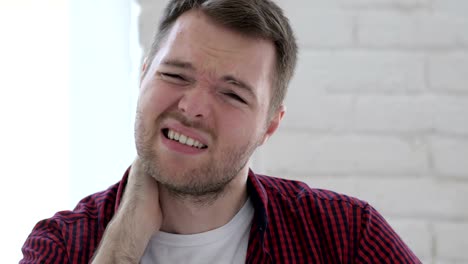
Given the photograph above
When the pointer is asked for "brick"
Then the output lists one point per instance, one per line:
(322, 29)
(411, 30)
(319, 23)
(452, 241)
(451, 7)
(368, 113)
(450, 156)
(318, 112)
(345, 154)
(448, 72)
(396, 196)
(451, 114)
(408, 114)
(376, 72)
(417, 235)
(397, 4)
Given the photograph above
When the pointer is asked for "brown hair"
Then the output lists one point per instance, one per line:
(256, 18)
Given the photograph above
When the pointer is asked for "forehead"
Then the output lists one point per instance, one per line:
(217, 50)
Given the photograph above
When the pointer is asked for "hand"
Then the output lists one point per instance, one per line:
(139, 216)
(141, 198)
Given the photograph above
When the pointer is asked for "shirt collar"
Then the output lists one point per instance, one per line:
(259, 198)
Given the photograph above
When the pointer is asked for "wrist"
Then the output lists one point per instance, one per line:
(137, 221)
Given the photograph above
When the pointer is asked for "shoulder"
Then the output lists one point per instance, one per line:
(337, 226)
(313, 220)
(315, 209)
(297, 192)
(72, 234)
(98, 205)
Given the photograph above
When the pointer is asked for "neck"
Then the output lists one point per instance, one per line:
(192, 215)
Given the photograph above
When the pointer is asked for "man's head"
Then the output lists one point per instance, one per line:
(204, 104)
(256, 18)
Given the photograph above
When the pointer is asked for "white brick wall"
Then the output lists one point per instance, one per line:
(345, 154)
(364, 71)
(448, 72)
(450, 156)
(451, 114)
(378, 109)
(397, 29)
(452, 241)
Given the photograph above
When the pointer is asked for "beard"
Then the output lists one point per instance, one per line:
(203, 182)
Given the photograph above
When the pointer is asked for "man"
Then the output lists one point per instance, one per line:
(211, 92)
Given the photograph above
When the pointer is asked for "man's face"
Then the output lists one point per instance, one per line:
(203, 105)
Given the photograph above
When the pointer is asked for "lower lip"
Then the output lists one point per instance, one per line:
(179, 147)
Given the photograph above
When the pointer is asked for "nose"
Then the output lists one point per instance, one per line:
(194, 103)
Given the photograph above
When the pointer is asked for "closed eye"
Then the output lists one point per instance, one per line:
(172, 77)
(235, 97)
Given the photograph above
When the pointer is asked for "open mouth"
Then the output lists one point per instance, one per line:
(182, 139)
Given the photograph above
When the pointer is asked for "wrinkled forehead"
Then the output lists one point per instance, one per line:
(213, 48)
(195, 29)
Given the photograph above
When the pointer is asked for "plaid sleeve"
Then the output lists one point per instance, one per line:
(379, 243)
(44, 245)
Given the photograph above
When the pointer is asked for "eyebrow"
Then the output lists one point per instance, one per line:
(178, 64)
(243, 85)
(226, 78)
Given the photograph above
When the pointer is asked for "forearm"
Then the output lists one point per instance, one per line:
(125, 239)
(137, 219)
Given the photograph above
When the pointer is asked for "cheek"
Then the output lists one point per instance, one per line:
(241, 131)
(154, 99)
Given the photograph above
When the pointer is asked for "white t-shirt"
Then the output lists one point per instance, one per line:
(226, 244)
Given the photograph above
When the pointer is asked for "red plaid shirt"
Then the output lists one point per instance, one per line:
(292, 224)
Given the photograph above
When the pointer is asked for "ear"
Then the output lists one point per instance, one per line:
(143, 69)
(274, 123)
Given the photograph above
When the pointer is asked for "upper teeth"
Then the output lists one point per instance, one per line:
(184, 139)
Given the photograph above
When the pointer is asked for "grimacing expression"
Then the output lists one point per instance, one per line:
(203, 105)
